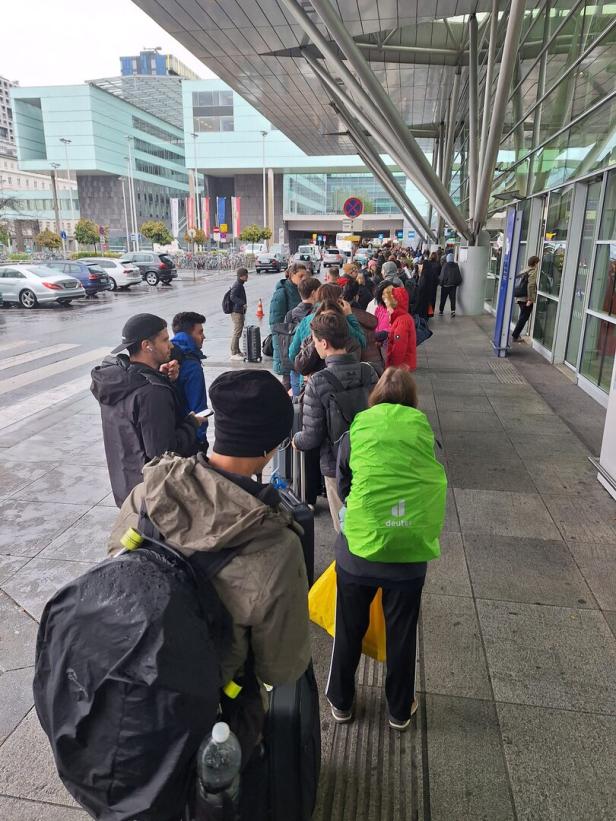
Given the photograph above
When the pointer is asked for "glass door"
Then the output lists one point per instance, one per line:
(552, 264)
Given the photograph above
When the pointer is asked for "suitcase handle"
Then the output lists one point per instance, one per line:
(299, 474)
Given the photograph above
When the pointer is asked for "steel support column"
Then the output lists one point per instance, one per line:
(386, 140)
(473, 91)
(512, 39)
(379, 103)
(487, 94)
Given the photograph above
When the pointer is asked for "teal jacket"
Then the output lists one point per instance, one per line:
(303, 330)
(284, 299)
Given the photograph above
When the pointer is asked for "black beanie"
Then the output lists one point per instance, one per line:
(253, 413)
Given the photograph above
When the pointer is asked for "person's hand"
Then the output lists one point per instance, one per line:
(346, 308)
(528, 304)
(171, 369)
(198, 421)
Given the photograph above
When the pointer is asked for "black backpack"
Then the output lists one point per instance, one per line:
(343, 404)
(520, 286)
(126, 681)
(227, 303)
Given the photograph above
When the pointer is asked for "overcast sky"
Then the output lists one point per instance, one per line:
(58, 42)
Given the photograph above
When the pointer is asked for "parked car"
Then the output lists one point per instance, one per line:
(269, 262)
(332, 256)
(155, 267)
(282, 251)
(255, 248)
(310, 255)
(121, 277)
(32, 285)
(93, 278)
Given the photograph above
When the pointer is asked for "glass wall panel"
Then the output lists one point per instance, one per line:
(545, 321)
(607, 231)
(598, 351)
(603, 294)
(581, 279)
(555, 244)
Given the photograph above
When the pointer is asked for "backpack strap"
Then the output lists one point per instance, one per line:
(333, 380)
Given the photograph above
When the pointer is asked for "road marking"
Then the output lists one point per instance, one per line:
(14, 382)
(22, 358)
(7, 346)
(21, 410)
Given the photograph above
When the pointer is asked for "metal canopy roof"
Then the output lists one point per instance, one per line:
(255, 46)
(158, 95)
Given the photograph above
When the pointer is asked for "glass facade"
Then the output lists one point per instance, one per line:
(212, 111)
(326, 193)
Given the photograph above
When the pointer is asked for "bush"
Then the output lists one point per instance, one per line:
(87, 232)
(19, 257)
(87, 255)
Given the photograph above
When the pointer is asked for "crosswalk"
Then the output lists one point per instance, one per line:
(31, 384)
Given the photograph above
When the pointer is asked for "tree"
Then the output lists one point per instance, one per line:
(86, 232)
(48, 239)
(9, 204)
(5, 237)
(254, 233)
(199, 238)
(156, 232)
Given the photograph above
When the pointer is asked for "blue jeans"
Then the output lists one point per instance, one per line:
(296, 382)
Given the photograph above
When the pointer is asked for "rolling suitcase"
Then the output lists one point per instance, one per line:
(252, 344)
(282, 463)
(292, 499)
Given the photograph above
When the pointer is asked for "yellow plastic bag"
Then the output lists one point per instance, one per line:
(322, 609)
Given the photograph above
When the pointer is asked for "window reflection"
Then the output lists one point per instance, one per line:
(598, 351)
(555, 242)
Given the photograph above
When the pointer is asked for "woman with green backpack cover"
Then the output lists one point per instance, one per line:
(394, 492)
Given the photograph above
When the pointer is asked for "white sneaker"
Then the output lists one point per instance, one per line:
(237, 357)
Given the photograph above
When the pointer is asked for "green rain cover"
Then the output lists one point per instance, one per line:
(396, 507)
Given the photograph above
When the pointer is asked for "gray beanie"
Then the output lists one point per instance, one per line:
(449, 258)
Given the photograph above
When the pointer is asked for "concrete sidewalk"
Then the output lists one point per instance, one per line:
(517, 675)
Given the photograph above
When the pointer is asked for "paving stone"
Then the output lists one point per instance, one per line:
(509, 407)
(17, 635)
(426, 402)
(552, 478)
(591, 518)
(16, 809)
(482, 473)
(463, 402)
(15, 699)
(561, 763)
(558, 447)
(549, 656)
(597, 563)
(477, 421)
(16, 475)
(28, 527)
(452, 522)
(450, 385)
(504, 514)
(503, 390)
(76, 484)
(535, 424)
(34, 584)
(468, 777)
(448, 574)
(525, 570)
(10, 565)
(489, 446)
(453, 658)
(86, 540)
(108, 501)
(27, 769)
(611, 620)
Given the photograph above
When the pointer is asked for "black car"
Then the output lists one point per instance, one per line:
(155, 267)
(269, 262)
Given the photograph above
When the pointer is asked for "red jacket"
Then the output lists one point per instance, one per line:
(402, 341)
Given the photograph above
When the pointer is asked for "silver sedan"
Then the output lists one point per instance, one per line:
(32, 285)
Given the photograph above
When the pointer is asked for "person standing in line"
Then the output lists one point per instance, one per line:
(140, 408)
(449, 280)
(394, 491)
(187, 344)
(330, 332)
(284, 299)
(527, 295)
(238, 313)
(402, 339)
(332, 275)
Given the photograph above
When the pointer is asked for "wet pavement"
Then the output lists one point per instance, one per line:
(517, 668)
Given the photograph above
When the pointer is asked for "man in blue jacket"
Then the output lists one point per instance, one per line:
(188, 341)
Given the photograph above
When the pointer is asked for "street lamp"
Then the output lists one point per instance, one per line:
(264, 135)
(125, 214)
(56, 203)
(67, 142)
(131, 185)
(194, 135)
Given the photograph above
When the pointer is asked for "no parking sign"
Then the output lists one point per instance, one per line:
(353, 207)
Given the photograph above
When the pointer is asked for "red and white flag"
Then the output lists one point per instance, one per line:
(235, 215)
(206, 216)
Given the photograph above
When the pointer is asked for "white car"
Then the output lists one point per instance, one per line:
(332, 256)
(32, 285)
(121, 274)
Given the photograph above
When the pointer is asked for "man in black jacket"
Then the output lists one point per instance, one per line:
(140, 409)
(238, 300)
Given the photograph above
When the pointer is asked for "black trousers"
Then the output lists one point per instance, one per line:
(448, 292)
(525, 312)
(401, 611)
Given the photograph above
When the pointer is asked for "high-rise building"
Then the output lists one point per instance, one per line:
(150, 62)
(7, 129)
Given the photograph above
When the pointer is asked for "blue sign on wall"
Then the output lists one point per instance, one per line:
(504, 283)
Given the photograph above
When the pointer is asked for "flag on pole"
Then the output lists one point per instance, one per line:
(235, 215)
(221, 209)
(175, 216)
(206, 216)
(190, 212)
